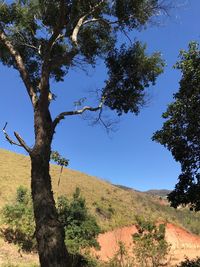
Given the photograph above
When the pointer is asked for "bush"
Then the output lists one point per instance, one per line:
(81, 228)
(190, 263)
(19, 221)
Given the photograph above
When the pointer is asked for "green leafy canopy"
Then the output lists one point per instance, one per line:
(66, 33)
(181, 130)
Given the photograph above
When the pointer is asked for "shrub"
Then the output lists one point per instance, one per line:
(190, 263)
(19, 221)
(81, 229)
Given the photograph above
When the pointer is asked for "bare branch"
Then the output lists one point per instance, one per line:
(101, 20)
(75, 32)
(21, 67)
(30, 46)
(20, 140)
(80, 23)
(62, 115)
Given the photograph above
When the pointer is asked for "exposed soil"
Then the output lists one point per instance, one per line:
(182, 243)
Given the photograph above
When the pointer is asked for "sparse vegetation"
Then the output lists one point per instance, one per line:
(121, 258)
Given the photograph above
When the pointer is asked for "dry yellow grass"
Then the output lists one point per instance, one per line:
(112, 206)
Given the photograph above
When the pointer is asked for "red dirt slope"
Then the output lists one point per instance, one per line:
(182, 242)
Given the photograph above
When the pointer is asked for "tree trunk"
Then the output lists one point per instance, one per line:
(49, 231)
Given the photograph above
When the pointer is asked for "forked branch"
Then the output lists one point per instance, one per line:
(62, 115)
(20, 142)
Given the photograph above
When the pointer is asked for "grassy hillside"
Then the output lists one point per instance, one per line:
(112, 205)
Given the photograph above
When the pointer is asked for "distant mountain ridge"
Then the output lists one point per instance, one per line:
(158, 192)
(153, 192)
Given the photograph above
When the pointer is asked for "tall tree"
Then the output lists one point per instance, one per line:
(42, 39)
(181, 130)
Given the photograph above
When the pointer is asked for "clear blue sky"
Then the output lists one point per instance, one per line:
(127, 156)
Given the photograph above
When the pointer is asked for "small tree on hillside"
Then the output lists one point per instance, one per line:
(150, 246)
(43, 39)
(181, 130)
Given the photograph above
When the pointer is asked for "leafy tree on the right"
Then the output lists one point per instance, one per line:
(181, 130)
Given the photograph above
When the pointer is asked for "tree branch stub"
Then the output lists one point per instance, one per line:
(21, 142)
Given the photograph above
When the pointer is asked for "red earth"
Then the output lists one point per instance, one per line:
(183, 243)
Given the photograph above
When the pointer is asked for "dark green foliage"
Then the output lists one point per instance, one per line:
(190, 263)
(181, 131)
(150, 246)
(134, 13)
(130, 72)
(80, 227)
(22, 195)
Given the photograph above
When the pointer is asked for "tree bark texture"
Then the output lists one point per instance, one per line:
(49, 231)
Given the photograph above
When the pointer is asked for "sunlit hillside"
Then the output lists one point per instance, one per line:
(113, 206)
